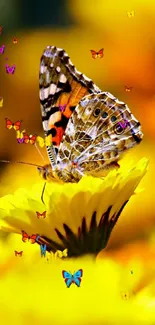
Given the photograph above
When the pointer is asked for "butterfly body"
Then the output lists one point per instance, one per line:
(98, 54)
(92, 128)
(72, 278)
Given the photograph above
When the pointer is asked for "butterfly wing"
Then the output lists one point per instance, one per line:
(17, 125)
(60, 85)
(26, 138)
(32, 239)
(77, 277)
(40, 141)
(100, 53)
(32, 139)
(9, 124)
(68, 278)
(94, 54)
(25, 236)
(94, 138)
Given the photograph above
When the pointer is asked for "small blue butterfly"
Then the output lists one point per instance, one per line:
(43, 250)
(72, 278)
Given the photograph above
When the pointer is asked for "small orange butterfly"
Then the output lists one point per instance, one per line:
(29, 139)
(10, 124)
(98, 54)
(26, 237)
(128, 89)
(18, 253)
(41, 215)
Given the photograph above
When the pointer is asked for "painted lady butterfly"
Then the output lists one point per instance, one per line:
(92, 129)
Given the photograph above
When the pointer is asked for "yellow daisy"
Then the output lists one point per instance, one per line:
(79, 217)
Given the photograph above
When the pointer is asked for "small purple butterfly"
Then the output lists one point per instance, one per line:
(10, 70)
(62, 108)
(124, 124)
(2, 48)
(20, 140)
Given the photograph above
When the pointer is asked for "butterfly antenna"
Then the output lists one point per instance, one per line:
(42, 195)
(39, 152)
(19, 162)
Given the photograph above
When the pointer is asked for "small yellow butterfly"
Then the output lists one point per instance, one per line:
(61, 254)
(130, 13)
(20, 135)
(44, 142)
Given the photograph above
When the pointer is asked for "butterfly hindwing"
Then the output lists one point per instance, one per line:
(61, 89)
(99, 130)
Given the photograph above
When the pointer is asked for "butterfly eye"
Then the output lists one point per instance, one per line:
(104, 115)
(113, 119)
(118, 129)
(97, 112)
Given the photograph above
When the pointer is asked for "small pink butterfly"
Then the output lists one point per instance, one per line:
(2, 48)
(19, 140)
(62, 108)
(123, 124)
(10, 70)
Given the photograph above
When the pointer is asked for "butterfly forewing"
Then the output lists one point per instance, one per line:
(61, 89)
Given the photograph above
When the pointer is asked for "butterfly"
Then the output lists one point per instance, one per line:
(130, 13)
(98, 54)
(14, 41)
(61, 254)
(87, 136)
(10, 124)
(72, 278)
(128, 89)
(2, 48)
(43, 250)
(26, 237)
(62, 108)
(20, 136)
(42, 142)
(1, 101)
(29, 139)
(41, 215)
(18, 253)
(9, 69)
(1, 29)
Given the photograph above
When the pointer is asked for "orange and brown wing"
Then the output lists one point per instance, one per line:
(61, 89)
(17, 125)
(25, 236)
(100, 53)
(26, 138)
(32, 239)
(94, 54)
(32, 139)
(9, 124)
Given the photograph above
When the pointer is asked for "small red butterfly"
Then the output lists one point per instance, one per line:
(1, 28)
(41, 215)
(10, 124)
(98, 54)
(128, 89)
(29, 138)
(26, 237)
(18, 253)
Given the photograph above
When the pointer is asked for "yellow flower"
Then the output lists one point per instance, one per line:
(79, 217)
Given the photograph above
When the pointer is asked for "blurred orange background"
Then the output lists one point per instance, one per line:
(79, 26)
